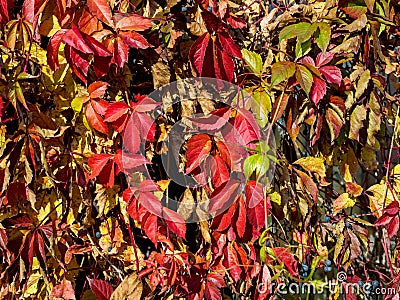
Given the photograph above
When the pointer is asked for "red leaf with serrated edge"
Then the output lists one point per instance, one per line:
(101, 9)
(240, 223)
(224, 66)
(393, 227)
(220, 170)
(175, 222)
(233, 263)
(150, 202)
(318, 90)
(285, 256)
(144, 104)
(245, 129)
(224, 152)
(53, 47)
(236, 22)
(197, 54)
(393, 208)
(224, 220)
(332, 74)
(150, 227)
(198, 148)
(132, 22)
(95, 120)
(134, 39)
(97, 162)
(228, 45)
(129, 161)
(74, 38)
(120, 50)
(254, 194)
(131, 138)
(98, 48)
(324, 58)
(383, 220)
(97, 89)
(79, 62)
(223, 196)
(214, 121)
(102, 289)
(144, 124)
(115, 111)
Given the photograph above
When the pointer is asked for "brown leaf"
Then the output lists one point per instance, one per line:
(130, 288)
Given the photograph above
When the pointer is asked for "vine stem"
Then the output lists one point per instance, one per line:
(132, 240)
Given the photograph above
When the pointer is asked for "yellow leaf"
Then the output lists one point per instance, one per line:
(312, 164)
(377, 199)
(342, 202)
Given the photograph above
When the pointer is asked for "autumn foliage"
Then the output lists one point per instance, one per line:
(294, 180)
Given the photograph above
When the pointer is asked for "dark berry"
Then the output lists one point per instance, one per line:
(210, 8)
(327, 269)
(368, 287)
(375, 283)
(327, 219)
(184, 9)
(360, 283)
(304, 267)
(98, 234)
(109, 249)
(328, 263)
(304, 274)
(348, 225)
(268, 244)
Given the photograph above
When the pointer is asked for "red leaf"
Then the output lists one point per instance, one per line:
(197, 54)
(97, 162)
(215, 121)
(318, 90)
(150, 227)
(245, 129)
(223, 221)
(16, 193)
(79, 62)
(393, 227)
(74, 38)
(144, 104)
(393, 208)
(223, 65)
(383, 220)
(63, 290)
(150, 202)
(198, 148)
(236, 22)
(228, 45)
(102, 289)
(121, 51)
(101, 10)
(53, 47)
(240, 223)
(175, 222)
(332, 74)
(233, 263)
(220, 171)
(115, 111)
(97, 89)
(223, 196)
(134, 39)
(132, 22)
(285, 256)
(324, 58)
(254, 194)
(144, 124)
(95, 120)
(98, 48)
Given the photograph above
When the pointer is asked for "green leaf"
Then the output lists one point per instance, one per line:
(261, 106)
(304, 77)
(282, 71)
(323, 36)
(302, 48)
(258, 163)
(253, 61)
(303, 31)
(77, 103)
